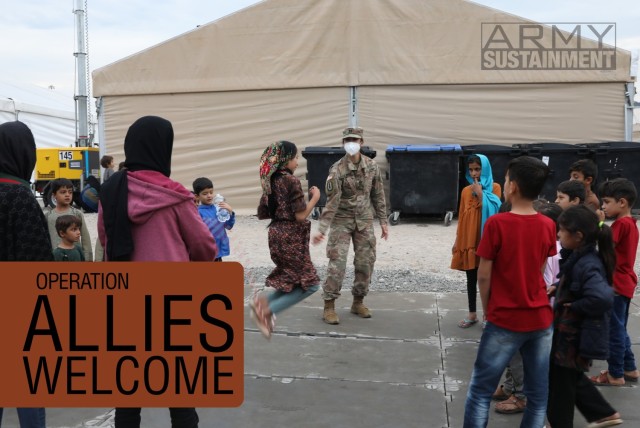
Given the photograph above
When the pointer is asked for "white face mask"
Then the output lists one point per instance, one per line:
(352, 148)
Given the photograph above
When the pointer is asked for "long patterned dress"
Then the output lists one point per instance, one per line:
(288, 238)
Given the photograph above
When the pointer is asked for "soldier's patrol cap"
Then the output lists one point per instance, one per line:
(352, 133)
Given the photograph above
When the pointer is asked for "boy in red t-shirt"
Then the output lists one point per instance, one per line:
(618, 197)
(513, 254)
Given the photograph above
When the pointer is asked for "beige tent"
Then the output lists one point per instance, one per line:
(407, 71)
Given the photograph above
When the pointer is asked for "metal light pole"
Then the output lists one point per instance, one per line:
(82, 114)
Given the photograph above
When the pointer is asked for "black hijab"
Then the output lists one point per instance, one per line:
(17, 150)
(147, 146)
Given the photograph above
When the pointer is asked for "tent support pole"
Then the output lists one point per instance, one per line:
(628, 111)
(353, 106)
(103, 142)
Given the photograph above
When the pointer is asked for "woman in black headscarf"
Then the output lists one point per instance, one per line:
(146, 216)
(23, 228)
(24, 235)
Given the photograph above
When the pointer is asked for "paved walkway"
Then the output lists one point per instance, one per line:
(408, 366)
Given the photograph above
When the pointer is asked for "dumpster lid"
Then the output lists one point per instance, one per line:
(323, 150)
(313, 151)
(425, 148)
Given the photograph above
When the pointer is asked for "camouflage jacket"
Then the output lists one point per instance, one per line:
(353, 192)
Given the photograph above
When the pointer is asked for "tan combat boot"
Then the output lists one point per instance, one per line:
(359, 308)
(329, 316)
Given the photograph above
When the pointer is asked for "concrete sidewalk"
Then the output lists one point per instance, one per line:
(407, 366)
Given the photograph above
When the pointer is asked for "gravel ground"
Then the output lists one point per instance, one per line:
(415, 258)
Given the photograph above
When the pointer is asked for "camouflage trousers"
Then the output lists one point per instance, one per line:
(364, 246)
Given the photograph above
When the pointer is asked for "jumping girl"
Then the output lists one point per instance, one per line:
(294, 277)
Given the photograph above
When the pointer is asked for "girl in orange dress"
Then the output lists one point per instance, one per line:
(478, 201)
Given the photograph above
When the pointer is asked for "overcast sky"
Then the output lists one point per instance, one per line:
(38, 36)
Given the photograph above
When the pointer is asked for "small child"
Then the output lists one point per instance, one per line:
(107, 163)
(68, 229)
(478, 201)
(618, 197)
(581, 316)
(203, 191)
(90, 195)
(586, 172)
(62, 191)
(569, 193)
(513, 251)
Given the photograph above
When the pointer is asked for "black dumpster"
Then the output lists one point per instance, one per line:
(319, 160)
(617, 159)
(559, 157)
(423, 179)
(499, 157)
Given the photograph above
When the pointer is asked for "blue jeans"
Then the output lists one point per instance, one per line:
(497, 347)
(621, 357)
(279, 300)
(29, 417)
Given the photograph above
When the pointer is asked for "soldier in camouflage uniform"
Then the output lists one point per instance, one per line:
(354, 191)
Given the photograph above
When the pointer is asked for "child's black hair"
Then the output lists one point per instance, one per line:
(105, 161)
(587, 167)
(201, 184)
(505, 207)
(289, 149)
(619, 188)
(64, 222)
(583, 219)
(60, 183)
(121, 166)
(573, 189)
(549, 209)
(529, 174)
(474, 159)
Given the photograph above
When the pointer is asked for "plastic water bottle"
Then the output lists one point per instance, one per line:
(223, 213)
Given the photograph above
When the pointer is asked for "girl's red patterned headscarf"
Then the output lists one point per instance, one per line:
(274, 158)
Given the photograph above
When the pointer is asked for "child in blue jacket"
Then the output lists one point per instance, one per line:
(582, 311)
(203, 189)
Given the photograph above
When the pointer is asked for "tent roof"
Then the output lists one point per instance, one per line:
(331, 43)
(34, 99)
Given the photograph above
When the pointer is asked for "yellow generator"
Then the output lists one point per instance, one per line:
(73, 163)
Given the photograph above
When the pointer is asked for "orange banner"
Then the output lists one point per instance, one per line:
(147, 334)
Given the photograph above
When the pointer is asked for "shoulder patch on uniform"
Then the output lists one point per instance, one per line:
(329, 185)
